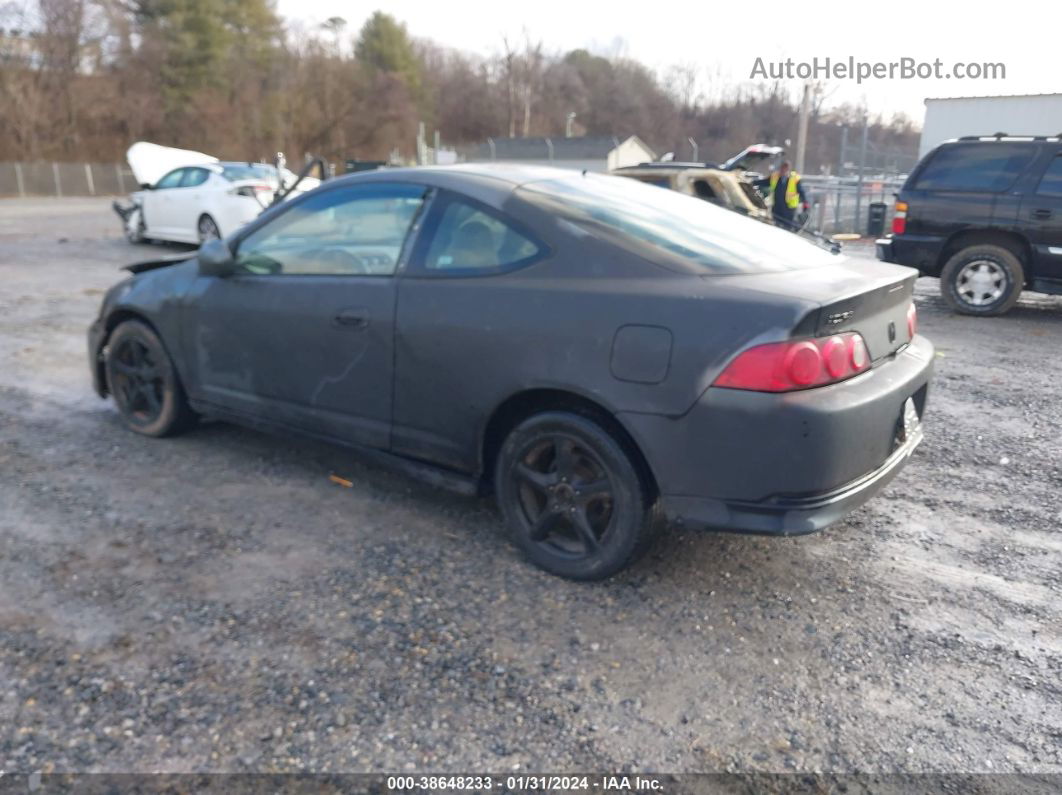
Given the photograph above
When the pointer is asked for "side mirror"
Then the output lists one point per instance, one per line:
(215, 259)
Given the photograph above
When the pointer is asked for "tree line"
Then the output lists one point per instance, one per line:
(82, 79)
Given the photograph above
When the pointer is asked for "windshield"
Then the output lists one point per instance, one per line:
(666, 225)
(234, 172)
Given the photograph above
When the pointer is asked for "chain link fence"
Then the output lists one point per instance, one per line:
(842, 205)
(836, 206)
(65, 179)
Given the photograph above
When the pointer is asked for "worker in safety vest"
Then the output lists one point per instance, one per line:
(786, 194)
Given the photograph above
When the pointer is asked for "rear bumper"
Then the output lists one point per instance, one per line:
(786, 463)
(789, 515)
(916, 251)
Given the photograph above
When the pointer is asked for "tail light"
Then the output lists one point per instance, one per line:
(251, 191)
(797, 364)
(912, 321)
(899, 219)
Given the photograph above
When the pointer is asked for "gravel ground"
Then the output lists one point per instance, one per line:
(215, 603)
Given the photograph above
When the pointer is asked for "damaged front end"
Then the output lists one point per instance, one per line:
(132, 216)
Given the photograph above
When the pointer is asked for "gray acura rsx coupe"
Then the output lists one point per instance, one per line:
(599, 353)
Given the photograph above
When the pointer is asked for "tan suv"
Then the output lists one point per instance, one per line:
(724, 188)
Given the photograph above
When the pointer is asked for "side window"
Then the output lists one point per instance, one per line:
(975, 167)
(194, 177)
(1051, 182)
(702, 190)
(356, 231)
(468, 239)
(171, 180)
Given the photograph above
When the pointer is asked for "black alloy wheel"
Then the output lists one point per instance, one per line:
(572, 496)
(144, 383)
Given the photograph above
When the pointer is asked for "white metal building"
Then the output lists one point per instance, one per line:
(1023, 114)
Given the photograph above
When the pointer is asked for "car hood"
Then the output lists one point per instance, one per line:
(160, 262)
(752, 157)
(149, 162)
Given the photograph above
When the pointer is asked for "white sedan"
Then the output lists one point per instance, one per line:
(199, 199)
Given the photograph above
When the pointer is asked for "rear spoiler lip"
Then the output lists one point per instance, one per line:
(161, 262)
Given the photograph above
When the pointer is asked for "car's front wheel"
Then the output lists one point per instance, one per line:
(572, 496)
(144, 382)
(982, 280)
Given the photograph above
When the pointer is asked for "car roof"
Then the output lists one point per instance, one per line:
(224, 163)
(665, 165)
(1003, 137)
(489, 182)
(514, 174)
(694, 170)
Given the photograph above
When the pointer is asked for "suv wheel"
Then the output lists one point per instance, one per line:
(572, 497)
(982, 280)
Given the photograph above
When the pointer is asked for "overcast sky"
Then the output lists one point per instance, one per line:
(723, 39)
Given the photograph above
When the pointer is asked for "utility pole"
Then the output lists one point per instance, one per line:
(862, 168)
(844, 151)
(802, 133)
(696, 149)
(568, 124)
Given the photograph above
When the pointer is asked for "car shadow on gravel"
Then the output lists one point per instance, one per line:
(685, 558)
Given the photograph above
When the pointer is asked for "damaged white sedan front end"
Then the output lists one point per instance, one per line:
(191, 197)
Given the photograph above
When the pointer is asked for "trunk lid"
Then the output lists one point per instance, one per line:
(860, 295)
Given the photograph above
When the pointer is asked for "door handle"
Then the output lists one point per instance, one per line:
(1041, 214)
(351, 318)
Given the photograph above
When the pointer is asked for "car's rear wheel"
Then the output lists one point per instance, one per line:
(207, 229)
(572, 496)
(982, 280)
(144, 382)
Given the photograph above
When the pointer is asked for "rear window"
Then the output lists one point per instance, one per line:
(235, 172)
(671, 226)
(989, 167)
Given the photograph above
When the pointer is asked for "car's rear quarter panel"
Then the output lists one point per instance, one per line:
(750, 446)
(472, 343)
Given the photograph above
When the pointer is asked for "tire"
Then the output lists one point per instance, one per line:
(572, 497)
(982, 280)
(144, 383)
(207, 229)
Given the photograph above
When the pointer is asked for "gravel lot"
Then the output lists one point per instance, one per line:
(216, 603)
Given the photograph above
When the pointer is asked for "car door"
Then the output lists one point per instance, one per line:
(159, 206)
(188, 202)
(303, 333)
(1041, 219)
(454, 297)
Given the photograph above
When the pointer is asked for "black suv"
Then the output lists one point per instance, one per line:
(985, 215)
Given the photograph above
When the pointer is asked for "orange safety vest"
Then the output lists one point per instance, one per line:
(792, 197)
